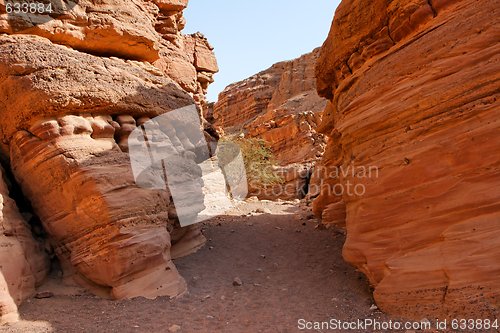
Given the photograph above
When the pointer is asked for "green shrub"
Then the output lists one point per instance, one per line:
(257, 156)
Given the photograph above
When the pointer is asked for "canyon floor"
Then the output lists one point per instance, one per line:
(290, 269)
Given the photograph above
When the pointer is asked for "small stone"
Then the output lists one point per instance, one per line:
(340, 232)
(237, 282)
(174, 328)
(210, 248)
(373, 307)
(263, 256)
(426, 321)
(320, 226)
(257, 285)
(262, 211)
(44, 294)
(253, 199)
(210, 317)
(259, 269)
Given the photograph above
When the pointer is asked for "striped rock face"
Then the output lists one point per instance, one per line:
(413, 92)
(71, 94)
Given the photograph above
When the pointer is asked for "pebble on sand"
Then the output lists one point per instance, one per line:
(262, 211)
(174, 328)
(44, 294)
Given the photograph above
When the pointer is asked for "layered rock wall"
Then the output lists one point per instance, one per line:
(280, 106)
(413, 90)
(73, 86)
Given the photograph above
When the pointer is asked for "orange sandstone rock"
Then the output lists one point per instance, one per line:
(109, 234)
(141, 30)
(72, 89)
(413, 89)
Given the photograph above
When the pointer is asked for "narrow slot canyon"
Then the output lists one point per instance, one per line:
(351, 188)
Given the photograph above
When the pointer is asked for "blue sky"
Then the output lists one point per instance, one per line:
(251, 35)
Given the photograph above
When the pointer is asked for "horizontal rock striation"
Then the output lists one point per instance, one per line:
(72, 89)
(413, 90)
(280, 106)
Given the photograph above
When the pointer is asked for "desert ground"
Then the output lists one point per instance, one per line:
(290, 269)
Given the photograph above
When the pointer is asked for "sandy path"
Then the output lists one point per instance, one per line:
(301, 276)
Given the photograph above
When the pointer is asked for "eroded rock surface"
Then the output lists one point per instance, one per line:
(141, 30)
(23, 262)
(413, 89)
(72, 89)
(280, 106)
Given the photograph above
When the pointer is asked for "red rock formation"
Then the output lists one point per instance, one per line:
(140, 30)
(65, 115)
(23, 263)
(413, 89)
(279, 105)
